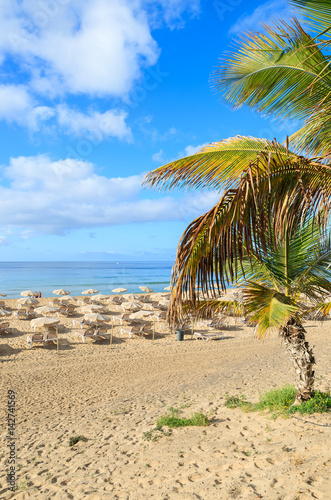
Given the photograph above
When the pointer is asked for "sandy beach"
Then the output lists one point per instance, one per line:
(113, 397)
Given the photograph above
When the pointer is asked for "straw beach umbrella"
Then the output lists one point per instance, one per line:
(89, 291)
(28, 301)
(141, 314)
(132, 296)
(44, 322)
(96, 317)
(61, 292)
(92, 308)
(146, 289)
(100, 296)
(29, 293)
(119, 290)
(66, 298)
(131, 305)
(46, 309)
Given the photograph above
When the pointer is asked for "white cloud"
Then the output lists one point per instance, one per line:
(191, 150)
(96, 47)
(172, 10)
(83, 46)
(16, 106)
(158, 156)
(265, 13)
(57, 196)
(14, 102)
(94, 124)
(100, 48)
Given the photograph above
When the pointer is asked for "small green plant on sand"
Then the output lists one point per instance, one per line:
(173, 420)
(281, 402)
(74, 440)
(237, 402)
(155, 434)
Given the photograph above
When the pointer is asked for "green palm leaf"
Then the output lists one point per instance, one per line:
(321, 310)
(283, 73)
(209, 308)
(317, 13)
(216, 166)
(270, 308)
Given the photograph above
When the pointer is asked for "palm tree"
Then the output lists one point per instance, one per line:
(273, 288)
(270, 193)
(285, 72)
(268, 190)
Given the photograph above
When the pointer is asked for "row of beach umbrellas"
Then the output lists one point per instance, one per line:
(29, 297)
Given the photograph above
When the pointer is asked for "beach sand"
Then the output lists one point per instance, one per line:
(113, 398)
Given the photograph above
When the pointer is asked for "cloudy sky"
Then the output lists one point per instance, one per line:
(95, 93)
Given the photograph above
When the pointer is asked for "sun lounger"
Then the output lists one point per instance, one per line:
(21, 314)
(207, 336)
(35, 337)
(89, 332)
(101, 332)
(133, 330)
(50, 336)
(94, 333)
(124, 317)
(161, 316)
(54, 302)
(216, 323)
(81, 322)
(4, 327)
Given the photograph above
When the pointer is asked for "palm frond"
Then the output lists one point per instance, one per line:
(317, 13)
(283, 73)
(216, 166)
(321, 310)
(246, 225)
(269, 308)
(209, 308)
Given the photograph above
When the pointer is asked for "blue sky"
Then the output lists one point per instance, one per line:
(95, 93)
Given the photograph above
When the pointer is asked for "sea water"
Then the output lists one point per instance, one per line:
(75, 277)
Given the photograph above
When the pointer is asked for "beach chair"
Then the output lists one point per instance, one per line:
(21, 314)
(89, 332)
(133, 330)
(54, 302)
(35, 337)
(30, 314)
(124, 317)
(161, 316)
(81, 322)
(4, 328)
(50, 335)
(207, 336)
(101, 332)
(217, 324)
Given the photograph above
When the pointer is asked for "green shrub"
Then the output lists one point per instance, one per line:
(277, 399)
(173, 420)
(237, 402)
(281, 402)
(319, 403)
(74, 440)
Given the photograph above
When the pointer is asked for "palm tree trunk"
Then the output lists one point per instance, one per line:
(293, 335)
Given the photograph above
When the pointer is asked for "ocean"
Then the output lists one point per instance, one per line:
(75, 277)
